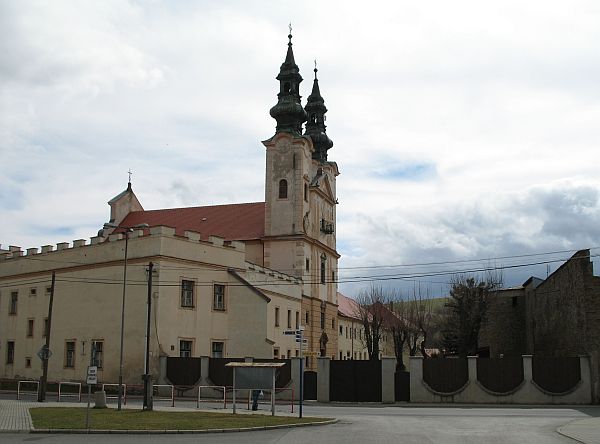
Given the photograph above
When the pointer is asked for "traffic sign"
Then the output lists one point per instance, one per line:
(92, 375)
(44, 353)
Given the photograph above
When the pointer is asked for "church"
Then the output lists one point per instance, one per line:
(227, 280)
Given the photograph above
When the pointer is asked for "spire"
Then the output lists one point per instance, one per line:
(288, 111)
(315, 127)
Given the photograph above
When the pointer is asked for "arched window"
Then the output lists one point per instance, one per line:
(283, 189)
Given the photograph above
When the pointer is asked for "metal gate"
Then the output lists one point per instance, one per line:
(355, 381)
(310, 385)
(402, 386)
(183, 371)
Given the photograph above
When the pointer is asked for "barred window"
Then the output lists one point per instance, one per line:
(185, 349)
(217, 349)
(187, 294)
(98, 353)
(10, 352)
(70, 354)
(218, 297)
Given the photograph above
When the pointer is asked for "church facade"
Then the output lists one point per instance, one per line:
(227, 280)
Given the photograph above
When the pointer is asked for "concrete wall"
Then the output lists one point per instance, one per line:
(473, 392)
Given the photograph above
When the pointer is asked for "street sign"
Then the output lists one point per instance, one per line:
(304, 341)
(92, 375)
(310, 353)
(289, 332)
(44, 353)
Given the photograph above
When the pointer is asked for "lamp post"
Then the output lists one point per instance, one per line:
(127, 231)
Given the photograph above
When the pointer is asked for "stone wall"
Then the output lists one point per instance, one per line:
(504, 328)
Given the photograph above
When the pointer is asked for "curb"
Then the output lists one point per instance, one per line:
(176, 432)
(566, 435)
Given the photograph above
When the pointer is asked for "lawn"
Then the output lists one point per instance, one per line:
(111, 419)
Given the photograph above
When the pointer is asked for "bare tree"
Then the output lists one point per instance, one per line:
(374, 317)
(467, 307)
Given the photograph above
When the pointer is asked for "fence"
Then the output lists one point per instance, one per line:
(500, 375)
(213, 387)
(445, 375)
(116, 396)
(61, 393)
(556, 375)
(27, 392)
(355, 381)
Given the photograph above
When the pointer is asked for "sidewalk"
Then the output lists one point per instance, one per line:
(583, 430)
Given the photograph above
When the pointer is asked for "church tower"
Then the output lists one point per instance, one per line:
(300, 200)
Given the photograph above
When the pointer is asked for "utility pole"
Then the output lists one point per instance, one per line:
(42, 392)
(147, 378)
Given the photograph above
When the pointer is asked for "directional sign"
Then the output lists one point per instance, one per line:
(304, 341)
(310, 353)
(44, 353)
(289, 332)
(92, 375)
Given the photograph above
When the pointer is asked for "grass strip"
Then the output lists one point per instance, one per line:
(111, 419)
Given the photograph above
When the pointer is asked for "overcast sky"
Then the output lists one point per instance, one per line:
(462, 130)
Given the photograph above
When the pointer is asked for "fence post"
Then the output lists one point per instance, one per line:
(323, 366)
(417, 391)
(295, 371)
(162, 370)
(472, 369)
(527, 369)
(388, 381)
(204, 370)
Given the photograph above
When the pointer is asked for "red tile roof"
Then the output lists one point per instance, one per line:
(347, 307)
(242, 222)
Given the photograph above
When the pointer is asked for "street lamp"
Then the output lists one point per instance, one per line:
(127, 231)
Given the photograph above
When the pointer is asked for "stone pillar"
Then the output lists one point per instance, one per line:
(388, 381)
(472, 368)
(204, 370)
(417, 391)
(161, 378)
(323, 379)
(527, 369)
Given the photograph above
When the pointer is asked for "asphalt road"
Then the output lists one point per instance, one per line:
(367, 425)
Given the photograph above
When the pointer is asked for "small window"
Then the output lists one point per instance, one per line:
(297, 320)
(98, 353)
(287, 87)
(276, 353)
(48, 290)
(307, 264)
(218, 297)
(33, 292)
(306, 192)
(30, 327)
(276, 316)
(333, 276)
(283, 189)
(323, 259)
(187, 294)
(306, 318)
(10, 352)
(333, 324)
(297, 353)
(217, 349)
(289, 354)
(289, 319)
(70, 354)
(341, 330)
(45, 327)
(340, 356)
(185, 349)
(14, 299)
(346, 331)
(27, 362)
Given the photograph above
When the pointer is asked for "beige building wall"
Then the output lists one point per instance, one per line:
(88, 295)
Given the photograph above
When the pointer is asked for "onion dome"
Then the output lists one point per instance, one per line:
(315, 127)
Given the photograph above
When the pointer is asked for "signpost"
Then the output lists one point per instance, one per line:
(299, 334)
(92, 379)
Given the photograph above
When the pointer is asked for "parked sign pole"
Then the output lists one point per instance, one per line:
(147, 381)
(301, 372)
(46, 354)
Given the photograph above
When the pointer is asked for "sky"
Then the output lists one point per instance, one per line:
(466, 133)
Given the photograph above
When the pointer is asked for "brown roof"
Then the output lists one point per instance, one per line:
(242, 222)
(347, 307)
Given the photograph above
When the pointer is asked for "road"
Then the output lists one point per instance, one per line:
(367, 425)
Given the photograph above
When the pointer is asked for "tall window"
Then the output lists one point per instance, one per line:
(276, 316)
(187, 294)
(297, 320)
(185, 349)
(307, 318)
(14, 298)
(322, 320)
(323, 259)
(45, 327)
(98, 353)
(30, 327)
(306, 192)
(283, 191)
(218, 297)
(70, 354)
(289, 319)
(217, 349)
(10, 352)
